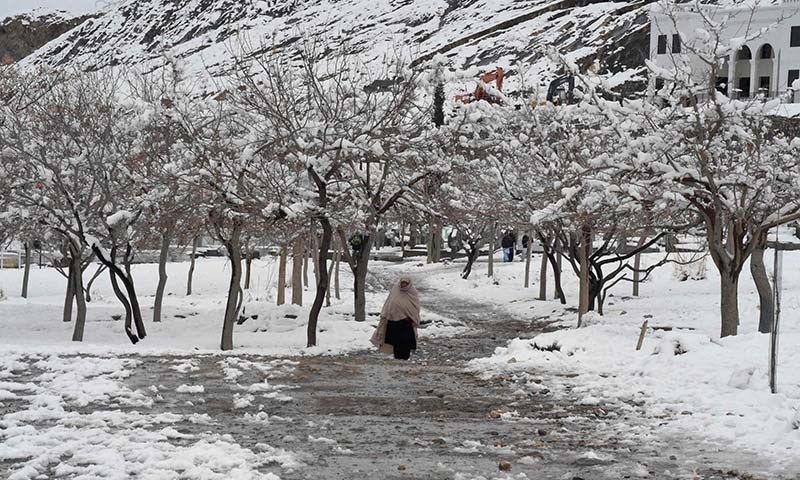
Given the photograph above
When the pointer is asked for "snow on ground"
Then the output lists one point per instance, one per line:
(47, 431)
(70, 409)
(189, 323)
(702, 385)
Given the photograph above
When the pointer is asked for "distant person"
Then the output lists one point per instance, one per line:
(507, 243)
(525, 240)
(397, 329)
(454, 242)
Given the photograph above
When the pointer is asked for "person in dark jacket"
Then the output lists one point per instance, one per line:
(508, 241)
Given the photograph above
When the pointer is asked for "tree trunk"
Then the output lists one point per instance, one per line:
(553, 254)
(402, 239)
(282, 274)
(336, 291)
(130, 287)
(473, 252)
(437, 241)
(330, 273)
(26, 275)
(121, 297)
(297, 271)
(429, 241)
(585, 252)
(162, 274)
(91, 282)
(70, 295)
(492, 235)
(315, 249)
(380, 239)
(306, 254)
(596, 298)
(543, 278)
(557, 265)
(248, 268)
(637, 264)
(234, 289)
(328, 290)
(80, 300)
(127, 281)
(195, 241)
(360, 279)
(322, 281)
(528, 262)
(761, 279)
(729, 303)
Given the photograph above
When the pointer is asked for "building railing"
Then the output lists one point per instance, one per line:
(762, 95)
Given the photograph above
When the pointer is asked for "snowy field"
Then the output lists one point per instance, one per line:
(80, 417)
(701, 386)
(161, 409)
(190, 324)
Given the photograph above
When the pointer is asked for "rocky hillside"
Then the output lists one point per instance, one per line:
(515, 34)
(20, 35)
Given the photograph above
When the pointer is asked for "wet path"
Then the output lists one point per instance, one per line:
(367, 416)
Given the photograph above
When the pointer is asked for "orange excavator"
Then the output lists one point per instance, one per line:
(480, 93)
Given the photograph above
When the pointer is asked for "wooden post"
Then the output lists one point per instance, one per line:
(641, 336)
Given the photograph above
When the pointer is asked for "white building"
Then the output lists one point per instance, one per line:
(767, 62)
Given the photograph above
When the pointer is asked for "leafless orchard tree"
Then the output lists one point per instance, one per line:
(71, 141)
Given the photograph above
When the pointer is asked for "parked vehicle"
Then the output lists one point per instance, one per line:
(210, 252)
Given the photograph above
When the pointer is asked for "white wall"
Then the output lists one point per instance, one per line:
(773, 22)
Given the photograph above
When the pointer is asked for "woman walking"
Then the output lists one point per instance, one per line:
(397, 329)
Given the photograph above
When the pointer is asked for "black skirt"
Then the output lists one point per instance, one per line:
(400, 335)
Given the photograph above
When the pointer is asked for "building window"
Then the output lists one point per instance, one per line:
(676, 43)
(763, 84)
(744, 53)
(794, 41)
(793, 75)
(662, 44)
(744, 87)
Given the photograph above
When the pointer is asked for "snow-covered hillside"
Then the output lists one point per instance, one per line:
(515, 34)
